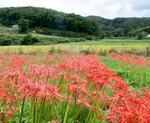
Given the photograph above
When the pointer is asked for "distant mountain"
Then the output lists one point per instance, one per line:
(119, 27)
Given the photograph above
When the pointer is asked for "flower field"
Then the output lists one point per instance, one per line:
(70, 88)
(131, 59)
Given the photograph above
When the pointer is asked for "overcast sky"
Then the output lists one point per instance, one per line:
(104, 8)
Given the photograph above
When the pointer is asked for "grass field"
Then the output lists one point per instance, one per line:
(117, 42)
(94, 46)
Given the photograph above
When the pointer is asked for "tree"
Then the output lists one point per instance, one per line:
(29, 40)
(4, 41)
(23, 25)
(140, 36)
(50, 19)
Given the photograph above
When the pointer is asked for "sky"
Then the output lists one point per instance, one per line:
(104, 8)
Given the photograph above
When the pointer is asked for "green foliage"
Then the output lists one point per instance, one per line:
(78, 24)
(29, 40)
(1, 24)
(72, 25)
(34, 38)
(50, 19)
(72, 34)
(5, 41)
(23, 25)
(120, 27)
(140, 36)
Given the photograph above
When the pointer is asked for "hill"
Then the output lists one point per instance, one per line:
(49, 21)
(120, 27)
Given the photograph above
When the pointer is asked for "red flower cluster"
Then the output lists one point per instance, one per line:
(131, 108)
(132, 59)
(77, 80)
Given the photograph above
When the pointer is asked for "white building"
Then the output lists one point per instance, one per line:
(15, 27)
(148, 36)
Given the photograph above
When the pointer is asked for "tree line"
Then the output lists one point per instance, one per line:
(123, 27)
(35, 18)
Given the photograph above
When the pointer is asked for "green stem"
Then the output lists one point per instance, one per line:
(34, 112)
(88, 116)
(66, 112)
(60, 82)
(76, 115)
(20, 119)
(40, 113)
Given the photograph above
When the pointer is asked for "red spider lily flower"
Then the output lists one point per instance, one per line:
(10, 110)
(118, 84)
(86, 80)
(39, 89)
(16, 61)
(24, 86)
(132, 59)
(131, 108)
(11, 74)
(49, 58)
(43, 71)
(146, 93)
(78, 88)
(84, 101)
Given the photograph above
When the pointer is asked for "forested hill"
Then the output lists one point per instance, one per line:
(120, 27)
(50, 21)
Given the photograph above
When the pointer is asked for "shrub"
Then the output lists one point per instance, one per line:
(140, 36)
(35, 40)
(29, 40)
(1, 24)
(5, 41)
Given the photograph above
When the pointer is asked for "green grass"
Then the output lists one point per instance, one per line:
(117, 42)
(136, 76)
(6, 32)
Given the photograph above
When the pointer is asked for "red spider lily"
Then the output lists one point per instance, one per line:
(132, 59)
(99, 96)
(11, 74)
(89, 65)
(83, 77)
(78, 88)
(43, 71)
(16, 61)
(24, 86)
(48, 58)
(146, 93)
(84, 101)
(10, 110)
(118, 84)
(40, 89)
(132, 108)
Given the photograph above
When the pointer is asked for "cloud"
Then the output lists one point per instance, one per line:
(104, 8)
(140, 5)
